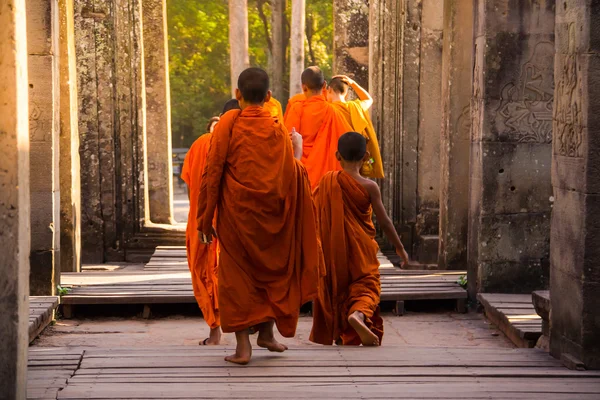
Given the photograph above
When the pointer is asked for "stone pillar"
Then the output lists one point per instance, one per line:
(278, 66)
(457, 71)
(575, 255)
(14, 200)
(238, 40)
(70, 186)
(158, 111)
(430, 119)
(44, 132)
(510, 188)
(297, 45)
(351, 39)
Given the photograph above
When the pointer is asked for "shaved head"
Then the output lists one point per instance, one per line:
(232, 104)
(352, 146)
(253, 84)
(313, 78)
(338, 86)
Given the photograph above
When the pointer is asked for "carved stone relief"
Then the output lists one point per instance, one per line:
(568, 117)
(525, 111)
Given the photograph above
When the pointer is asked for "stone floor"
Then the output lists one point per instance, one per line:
(415, 329)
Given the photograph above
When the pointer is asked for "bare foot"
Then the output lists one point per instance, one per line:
(214, 339)
(243, 350)
(357, 321)
(266, 338)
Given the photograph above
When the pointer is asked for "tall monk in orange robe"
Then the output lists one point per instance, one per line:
(356, 113)
(269, 251)
(320, 124)
(347, 308)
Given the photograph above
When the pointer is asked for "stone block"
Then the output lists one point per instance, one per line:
(567, 312)
(44, 276)
(428, 249)
(519, 16)
(517, 177)
(40, 20)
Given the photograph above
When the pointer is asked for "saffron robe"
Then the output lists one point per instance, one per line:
(274, 107)
(351, 281)
(202, 259)
(297, 98)
(360, 121)
(321, 125)
(270, 255)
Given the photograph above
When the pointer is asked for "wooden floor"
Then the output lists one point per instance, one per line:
(308, 372)
(515, 316)
(166, 279)
(41, 312)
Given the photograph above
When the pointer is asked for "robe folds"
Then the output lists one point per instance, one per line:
(321, 125)
(297, 98)
(202, 259)
(360, 121)
(270, 256)
(351, 280)
(274, 108)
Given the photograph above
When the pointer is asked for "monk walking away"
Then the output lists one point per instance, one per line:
(269, 252)
(356, 113)
(319, 123)
(346, 310)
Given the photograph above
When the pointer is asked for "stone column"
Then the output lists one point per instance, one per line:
(297, 45)
(278, 66)
(575, 250)
(238, 40)
(351, 39)
(457, 70)
(158, 111)
(430, 119)
(44, 132)
(14, 200)
(70, 186)
(510, 188)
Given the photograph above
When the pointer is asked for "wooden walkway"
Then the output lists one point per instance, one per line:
(308, 372)
(166, 279)
(41, 310)
(515, 316)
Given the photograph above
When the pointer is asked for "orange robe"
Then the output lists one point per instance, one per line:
(321, 125)
(360, 121)
(270, 255)
(202, 259)
(274, 107)
(300, 97)
(351, 281)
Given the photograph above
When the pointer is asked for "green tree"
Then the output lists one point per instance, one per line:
(199, 55)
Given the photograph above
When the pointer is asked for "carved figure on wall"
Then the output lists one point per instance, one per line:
(568, 117)
(525, 111)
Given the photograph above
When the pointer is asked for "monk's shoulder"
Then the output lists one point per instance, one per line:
(370, 186)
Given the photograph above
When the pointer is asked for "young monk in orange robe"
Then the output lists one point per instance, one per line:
(269, 251)
(356, 113)
(202, 260)
(320, 124)
(347, 308)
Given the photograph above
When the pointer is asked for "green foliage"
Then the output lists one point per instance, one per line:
(199, 55)
(462, 281)
(62, 291)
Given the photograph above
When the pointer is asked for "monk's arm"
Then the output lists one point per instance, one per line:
(384, 220)
(366, 101)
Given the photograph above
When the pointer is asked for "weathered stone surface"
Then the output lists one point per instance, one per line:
(238, 40)
(112, 125)
(70, 187)
(511, 110)
(297, 37)
(158, 111)
(14, 199)
(44, 132)
(351, 39)
(457, 67)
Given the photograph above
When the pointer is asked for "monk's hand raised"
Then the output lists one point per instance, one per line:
(205, 238)
(404, 256)
(296, 143)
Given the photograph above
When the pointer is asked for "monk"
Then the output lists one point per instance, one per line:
(274, 108)
(346, 311)
(269, 253)
(320, 124)
(356, 113)
(300, 97)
